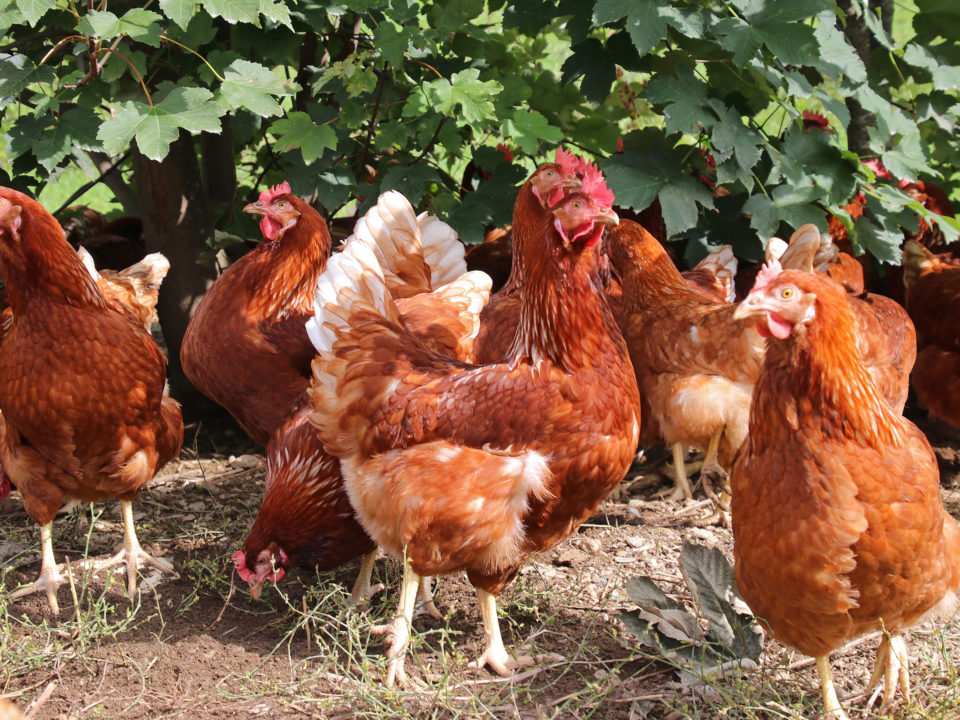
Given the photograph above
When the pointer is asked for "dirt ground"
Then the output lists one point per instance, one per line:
(200, 647)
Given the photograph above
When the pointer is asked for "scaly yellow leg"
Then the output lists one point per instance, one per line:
(831, 703)
(398, 632)
(49, 578)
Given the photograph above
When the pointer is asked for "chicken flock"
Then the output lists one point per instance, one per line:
(407, 408)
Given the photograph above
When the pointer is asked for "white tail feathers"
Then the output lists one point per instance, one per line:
(352, 277)
(442, 250)
(87, 259)
(150, 271)
(776, 247)
(827, 253)
(722, 263)
(804, 244)
(390, 229)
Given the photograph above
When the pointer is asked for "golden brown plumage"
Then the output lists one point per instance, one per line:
(245, 347)
(933, 301)
(694, 363)
(305, 519)
(81, 386)
(527, 448)
(838, 524)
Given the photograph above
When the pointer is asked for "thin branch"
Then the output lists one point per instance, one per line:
(80, 191)
(373, 120)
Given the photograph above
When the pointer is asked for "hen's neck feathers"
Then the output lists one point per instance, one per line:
(281, 275)
(817, 378)
(563, 317)
(649, 275)
(527, 217)
(47, 266)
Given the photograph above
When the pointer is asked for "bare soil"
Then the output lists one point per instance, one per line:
(200, 647)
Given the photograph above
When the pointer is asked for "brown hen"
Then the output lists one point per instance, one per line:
(461, 467)
(81, 389)
(838, 524)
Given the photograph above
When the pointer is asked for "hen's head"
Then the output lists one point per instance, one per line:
(550, 181)
(256, 569)
(580, 218)
(278, 206)
(783, 300)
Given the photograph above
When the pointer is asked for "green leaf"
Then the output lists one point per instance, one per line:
(17, 72)
(392, 41)
(730, 134)
(234, 11)
(253, 87)
(154, 128)
(685, 97)
(944, 76)
(837, 56)
(882, 243)
(527, 128)
(739, 38)
(142, 25)
(180, 11)
(297, 130)
(793, 206)
(679, 201)
(465, 89)
(33, 10)
(646, 24)
(591, 62)
(277, 11)
(100, 24)
(636, 179)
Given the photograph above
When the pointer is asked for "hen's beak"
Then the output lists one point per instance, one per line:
(255, 208)
(753, 305)
(608, 217)
(257, 588)
(570, 182)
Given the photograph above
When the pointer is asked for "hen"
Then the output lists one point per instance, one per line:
(694, 363)
(461, 467)
(305, 518)
(246, 347)
(547, 185)
(838, 524)
(81, 389)
(933, 301)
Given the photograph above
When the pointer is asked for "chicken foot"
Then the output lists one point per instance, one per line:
(131, 553)
(711, 473)
(832, 710)
(425, 604)
(397, 632)
(362, 589)
(892, 665)
(495, 655)
(681, 489)
(49, 579)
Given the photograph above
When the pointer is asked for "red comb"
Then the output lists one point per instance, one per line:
(768, 273)
(594, 185)
(567, 161)
(879, 169)
(281, 189)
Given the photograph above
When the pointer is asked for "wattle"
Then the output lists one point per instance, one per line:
(270, 227)
(778, 327)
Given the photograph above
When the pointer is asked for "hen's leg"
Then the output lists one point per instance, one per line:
(49, 578)
(398, 632)
(682, 487)
(425, 603)
(893, 666)
(831, 703)
(496, 654)
(132, 554)
(711, 472)
(362, 589)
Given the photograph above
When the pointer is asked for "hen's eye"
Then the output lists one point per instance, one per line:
(282, 204)
(576, 205)
(548, 173)
(786, 293)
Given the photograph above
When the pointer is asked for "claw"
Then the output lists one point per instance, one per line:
(132, 554)
(892, 665)
(50, 578)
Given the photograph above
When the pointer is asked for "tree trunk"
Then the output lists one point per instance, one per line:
(177, 222)
(858, 35)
